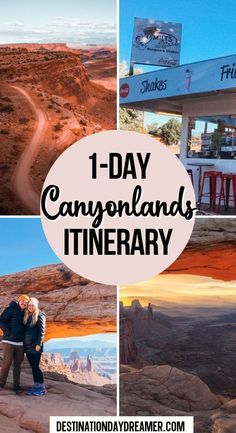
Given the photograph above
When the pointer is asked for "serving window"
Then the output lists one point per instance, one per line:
(212, 137)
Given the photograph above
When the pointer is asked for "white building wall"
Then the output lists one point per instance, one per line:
(219, 104)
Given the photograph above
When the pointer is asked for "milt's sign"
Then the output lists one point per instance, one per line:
(156, 42)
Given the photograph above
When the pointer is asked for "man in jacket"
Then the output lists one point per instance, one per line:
(11, 322)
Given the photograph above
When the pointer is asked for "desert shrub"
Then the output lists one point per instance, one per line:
(50, 106)
(58, 127)
(170, 132)
(23, 120)
(4, 131)
(83, 122)
(6, 109)
(4, 167)
(6, 99)
(18, 139)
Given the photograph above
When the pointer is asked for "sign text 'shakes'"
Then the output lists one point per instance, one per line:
(153, 86)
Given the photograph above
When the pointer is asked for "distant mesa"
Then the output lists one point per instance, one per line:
(135, 305)
(75, 365)
(89, 366)
(137, 310)
(76, 370)
(74, 355)
(54, 359)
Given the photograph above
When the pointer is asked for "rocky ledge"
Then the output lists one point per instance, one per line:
(163, 390)
(24, 414)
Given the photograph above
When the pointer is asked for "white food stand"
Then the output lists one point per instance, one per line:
(204, 91)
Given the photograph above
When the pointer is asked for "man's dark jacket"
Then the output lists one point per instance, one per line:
(11, 322)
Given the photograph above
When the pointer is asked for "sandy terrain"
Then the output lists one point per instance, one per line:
(51, 96)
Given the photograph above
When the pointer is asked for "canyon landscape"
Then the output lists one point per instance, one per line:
(80, 380)
(85, 362)
(51, 95)
(178, 335)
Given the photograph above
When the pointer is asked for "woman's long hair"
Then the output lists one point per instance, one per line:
(34, 316)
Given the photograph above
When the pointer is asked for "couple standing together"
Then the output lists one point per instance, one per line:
(23, 326)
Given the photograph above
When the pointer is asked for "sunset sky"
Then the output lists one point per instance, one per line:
(181, 289)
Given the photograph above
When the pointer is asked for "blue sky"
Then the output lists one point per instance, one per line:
(71, 21)
(75, 341)
(208, 27)
(23, 245)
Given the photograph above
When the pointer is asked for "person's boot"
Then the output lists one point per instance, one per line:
(34, 388)
(41, 390)
(18, 389)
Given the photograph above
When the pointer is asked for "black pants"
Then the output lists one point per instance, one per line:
(34, 360)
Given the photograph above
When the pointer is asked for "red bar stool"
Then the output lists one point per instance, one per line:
(212, 193)
(227, 178)
(190, 172)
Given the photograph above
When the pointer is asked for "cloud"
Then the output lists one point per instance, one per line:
(60, 30)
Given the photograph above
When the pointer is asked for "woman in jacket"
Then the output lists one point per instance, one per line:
(34, 332)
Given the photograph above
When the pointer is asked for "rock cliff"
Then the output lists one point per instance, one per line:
(163, 390)
(128, 349)
(73, 305)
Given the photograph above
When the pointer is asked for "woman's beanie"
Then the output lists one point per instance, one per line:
(34, 301)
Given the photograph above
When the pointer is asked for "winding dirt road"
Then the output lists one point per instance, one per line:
(21, 179)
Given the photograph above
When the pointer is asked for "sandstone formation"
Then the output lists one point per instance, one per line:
(169, 387)
(75, 366)
(128, 349)
(163, 390)
(51, 359)
(23, 414)
(73, 305)
(74, 371)
(212, 231)
(211, 250)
